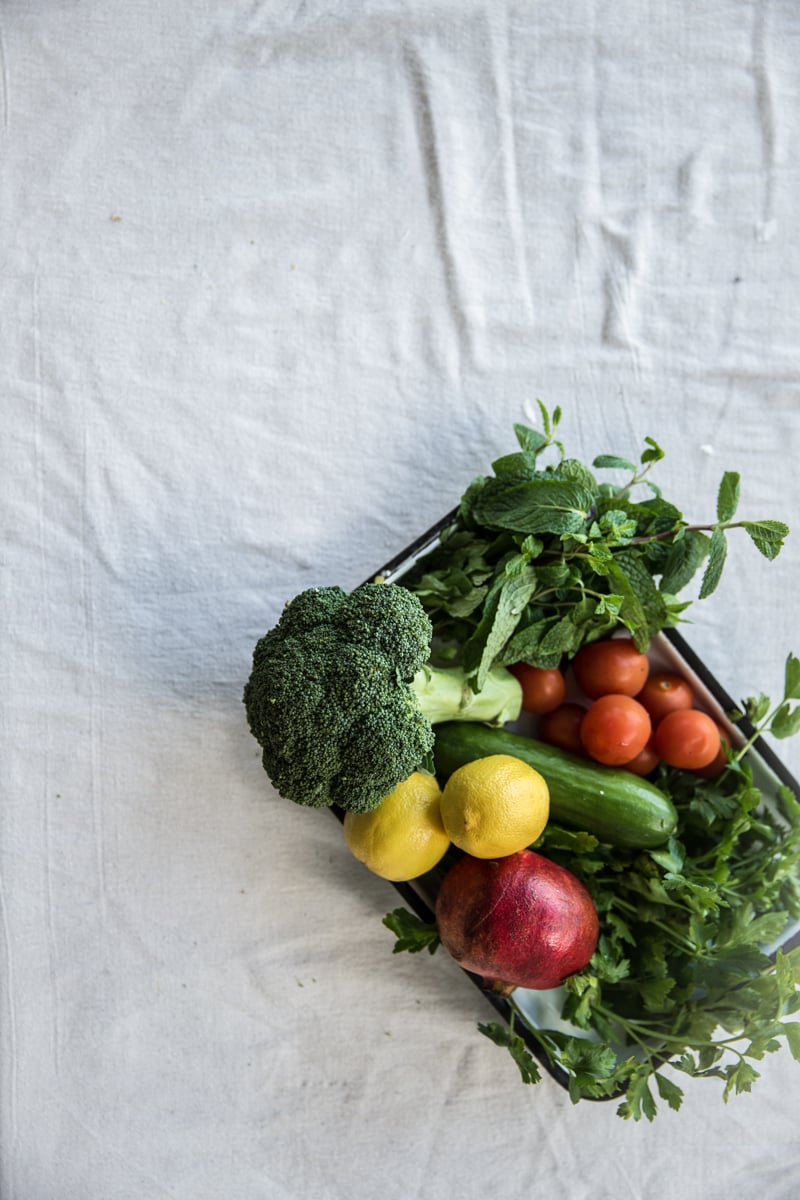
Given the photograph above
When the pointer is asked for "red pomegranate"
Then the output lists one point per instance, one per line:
(520, 921)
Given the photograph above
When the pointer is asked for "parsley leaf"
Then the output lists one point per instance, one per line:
(412, 933)
(503, 1035)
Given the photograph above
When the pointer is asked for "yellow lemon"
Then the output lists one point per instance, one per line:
(403, 837)
(495, 806)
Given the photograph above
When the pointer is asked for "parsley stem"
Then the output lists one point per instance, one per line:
(683, 942)
(638, 1030)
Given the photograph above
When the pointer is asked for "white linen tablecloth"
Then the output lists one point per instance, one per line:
(277, 280)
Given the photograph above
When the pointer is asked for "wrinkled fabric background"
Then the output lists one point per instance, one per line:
(277, 279)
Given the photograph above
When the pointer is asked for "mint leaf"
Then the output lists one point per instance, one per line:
(501, 616)
(767, 536)
(546, 505)
(728, 496)
(643, 608)
(791, 685)
(653, 454)
(531, 547)
(530, 439)
(545, 415)
(612, 462)
(618, 527)
(524, 645)
(683, 560)
(717, 554)
(561, 638)
(516, 467)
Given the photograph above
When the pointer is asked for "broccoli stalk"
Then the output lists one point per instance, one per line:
(444, 694)
(342, 697)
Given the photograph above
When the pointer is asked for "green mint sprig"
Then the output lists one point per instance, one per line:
(543, 558)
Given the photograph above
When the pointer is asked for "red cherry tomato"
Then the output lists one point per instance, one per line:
(646, 760)
(615, 729)
(665, 693)
(719, 760)
(613, 666)
(542, 689)
(687, 738)
(562, 728)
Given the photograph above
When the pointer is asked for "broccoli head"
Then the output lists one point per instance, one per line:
(341, 698)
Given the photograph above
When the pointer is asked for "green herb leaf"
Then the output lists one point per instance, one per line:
(577, 841)
(587, 1061)
(412, 933)
(502, 614)
(672, 858)
(791, 1029)
(757, 707)
(561, 638)
(791, 685)
(530, 439)
(503, 1036)
(784, 978)
(728, 496)
(786, 721)
(545, 505)
(740, 1078)
(717, 554)
(684, 558)
(669, 1091)
(531, 547)
(612, 462)
(788, 804)
(642, 609)
(616, 526)
(767, 536)
(653, 454)
(638, 1100)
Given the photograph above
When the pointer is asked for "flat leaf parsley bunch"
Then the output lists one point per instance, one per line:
(538, 561)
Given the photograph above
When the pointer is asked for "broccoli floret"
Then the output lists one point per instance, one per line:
(342, 698)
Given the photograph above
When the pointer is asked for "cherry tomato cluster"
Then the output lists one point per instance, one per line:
(625, 715)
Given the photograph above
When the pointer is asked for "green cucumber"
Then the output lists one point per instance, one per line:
(615, 805)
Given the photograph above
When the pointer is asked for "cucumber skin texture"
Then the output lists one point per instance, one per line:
(615, 805)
